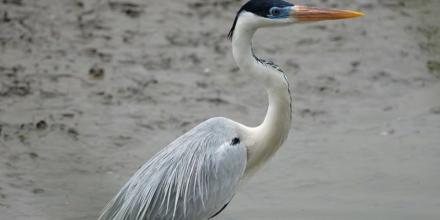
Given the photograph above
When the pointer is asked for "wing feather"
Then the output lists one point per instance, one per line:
(192, 178)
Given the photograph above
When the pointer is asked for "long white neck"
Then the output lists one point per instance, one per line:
(264, 140)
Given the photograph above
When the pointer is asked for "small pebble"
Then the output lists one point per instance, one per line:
(33, 155)
(387, 132)
(41, 125)
(38, 190)
(73, 132)
(388, 108)
(435, 110)
(96, 72)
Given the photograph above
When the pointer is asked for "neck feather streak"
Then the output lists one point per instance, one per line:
(264, 140)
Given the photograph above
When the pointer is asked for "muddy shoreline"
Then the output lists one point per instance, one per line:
(89, 90)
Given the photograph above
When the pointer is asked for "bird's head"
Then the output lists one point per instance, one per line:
(267, 13)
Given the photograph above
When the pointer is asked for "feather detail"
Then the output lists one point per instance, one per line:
(192, 178)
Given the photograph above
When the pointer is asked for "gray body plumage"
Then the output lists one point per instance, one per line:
(192, 178)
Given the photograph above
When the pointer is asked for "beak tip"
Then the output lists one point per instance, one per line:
(350, 14)
(357, 14)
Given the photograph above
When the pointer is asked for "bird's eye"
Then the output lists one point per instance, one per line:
(275, 11)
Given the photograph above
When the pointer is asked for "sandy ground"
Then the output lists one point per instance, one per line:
(89, 90)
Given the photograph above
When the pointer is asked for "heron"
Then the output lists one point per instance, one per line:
(197, 175)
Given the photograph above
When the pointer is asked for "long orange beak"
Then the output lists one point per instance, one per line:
(304, 14)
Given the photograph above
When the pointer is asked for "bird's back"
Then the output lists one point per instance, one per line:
(192, 178)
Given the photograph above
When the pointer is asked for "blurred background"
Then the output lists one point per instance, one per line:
(90, 90)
